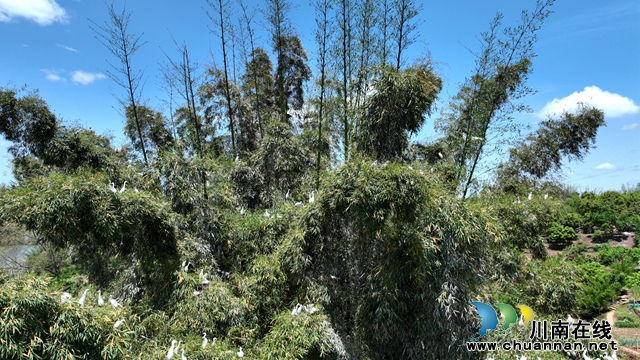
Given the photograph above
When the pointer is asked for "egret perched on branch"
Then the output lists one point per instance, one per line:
(113, 302)
(123, 187)
(440, 155)
(65, 297)
(118, 323)
(569, 319)
(170, 353)
(530, 196)
(312, 197)
(267, 215)
(112, 187)
(287, 194)
(546, 196)
(186, 267)
(135, 189)
(204, 340)
(240, 352)
(100, 300)
(83, 298)
(299, 204)
(182, 357)
(242, 211)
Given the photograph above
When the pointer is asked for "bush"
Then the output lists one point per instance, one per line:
(626, 324)
(561, 234)
(597, 235)
(599, 287)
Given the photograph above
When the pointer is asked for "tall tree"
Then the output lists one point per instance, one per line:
(322, 8)
(219, 18)
(397, 109)
(258, 84)
(184, 73)
(256, 94)
(483, 106)
(404, 12)
(385, 25)
(343, 49)
(279, 29)
(115, 37)
(153, 124)
(542, 151)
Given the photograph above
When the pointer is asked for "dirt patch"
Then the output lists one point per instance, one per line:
(586, 239)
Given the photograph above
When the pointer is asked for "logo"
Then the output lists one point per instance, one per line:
(507, 313)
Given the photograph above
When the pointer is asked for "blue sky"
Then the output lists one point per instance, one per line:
(589, 50)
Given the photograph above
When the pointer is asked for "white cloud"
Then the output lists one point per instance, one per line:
(85, 78)
(65, 46)
(613, 105)
(605, 166)
(630, 126)
(52, 75)
(44, 12)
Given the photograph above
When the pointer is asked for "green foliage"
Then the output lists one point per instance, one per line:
(561, 234)
(626, 324)
(599, 287)
(80, 210)
(567, 138)
(34, 325)
(399, 260)
(548, 286)
(597, 235)
(396, 110)
(610, 208)
(524, 223)
(301, 336)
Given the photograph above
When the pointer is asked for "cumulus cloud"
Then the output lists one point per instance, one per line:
(52, 75)
(630, 126)
(605, 166)
(43, 12)
(85, 78)
(613, 105)
(65, 46)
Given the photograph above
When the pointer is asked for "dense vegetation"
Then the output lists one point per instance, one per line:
(293, 225)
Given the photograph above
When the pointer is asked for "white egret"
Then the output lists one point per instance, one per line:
(182, 357)
(311, 308)
(118, 323)
(204, 340)
(530, 196)
(240, 352)
(312, 197)
(237, 158)
(204, 280)
(100, 300)
(286, 196)
(267, 215)
(410, 167)
(113, 302)
(299, 204)
(196, 292)
(569, 319)
(112, 187)
(213, 341)
(177, 347)
(135, 189)
(546, 196)
(186, 267)
(122, 189)
(201, 273)
(584, 355)
(521, 322)
(83, 298)
(170, 353)
(65, 297)
(440, 155)
(296, 310)
(242, 211)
